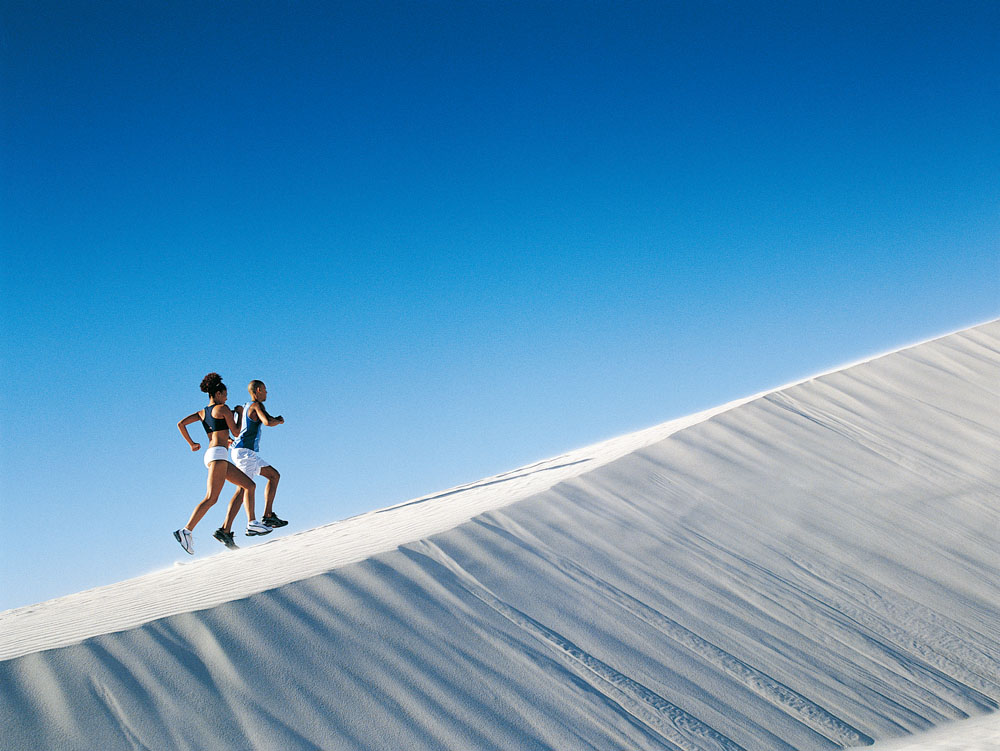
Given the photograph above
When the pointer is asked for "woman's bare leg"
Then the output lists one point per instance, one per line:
(216, 479)
(234, 509)
(237, 477)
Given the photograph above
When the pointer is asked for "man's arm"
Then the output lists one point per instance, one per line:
(264, 417)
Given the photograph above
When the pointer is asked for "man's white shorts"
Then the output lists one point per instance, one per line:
(249, 461)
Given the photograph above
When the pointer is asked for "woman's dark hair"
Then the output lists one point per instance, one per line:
(212, 384)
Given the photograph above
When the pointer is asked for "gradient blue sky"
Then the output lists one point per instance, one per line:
(453, 237)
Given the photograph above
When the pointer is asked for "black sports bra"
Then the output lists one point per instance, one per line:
(213, 424)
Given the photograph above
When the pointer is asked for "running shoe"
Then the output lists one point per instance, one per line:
(256, 528)
(226, 538)
(186, 539)
(272, 520)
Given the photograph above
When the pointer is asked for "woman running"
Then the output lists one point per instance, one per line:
(218, 421)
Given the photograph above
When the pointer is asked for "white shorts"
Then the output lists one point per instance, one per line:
(249, 461)
(215, 454)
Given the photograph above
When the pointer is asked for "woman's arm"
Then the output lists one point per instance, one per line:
(182, 426)
(234, 427)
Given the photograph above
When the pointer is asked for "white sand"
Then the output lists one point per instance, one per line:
(811, 568)
(975, 734)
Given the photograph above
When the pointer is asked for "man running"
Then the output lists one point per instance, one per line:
(244, 454)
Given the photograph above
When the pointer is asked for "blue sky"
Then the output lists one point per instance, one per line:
(453, 237)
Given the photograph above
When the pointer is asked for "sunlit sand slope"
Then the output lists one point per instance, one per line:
(813, 568)
(980, 733)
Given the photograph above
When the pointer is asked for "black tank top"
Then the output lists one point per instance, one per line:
(213, 424)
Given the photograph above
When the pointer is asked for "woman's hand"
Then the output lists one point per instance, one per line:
(196, 447)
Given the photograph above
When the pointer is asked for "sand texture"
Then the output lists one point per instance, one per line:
(812, 568)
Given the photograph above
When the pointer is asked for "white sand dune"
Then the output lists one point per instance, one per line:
(975, 734)
(811, 568)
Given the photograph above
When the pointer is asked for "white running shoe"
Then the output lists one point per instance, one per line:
(256, 528)
(186, 539)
